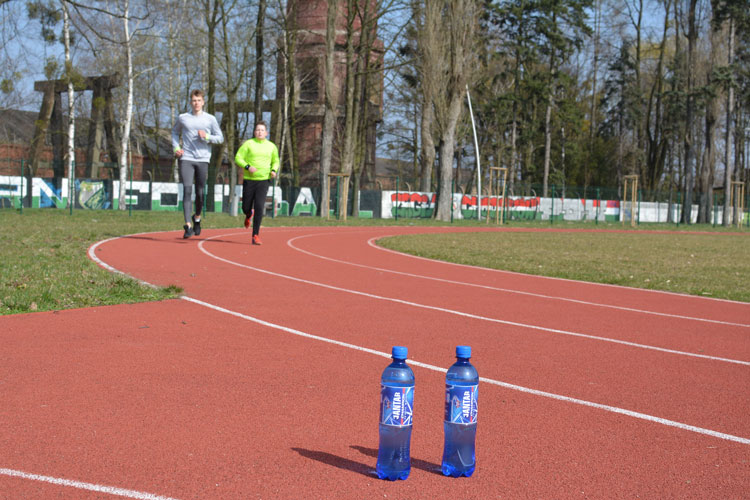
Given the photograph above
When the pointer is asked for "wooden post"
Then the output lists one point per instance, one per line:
(737, 201)
(630, 186)
(344, 195)
(495, 173)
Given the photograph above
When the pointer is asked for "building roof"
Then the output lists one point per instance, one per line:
(16, 126)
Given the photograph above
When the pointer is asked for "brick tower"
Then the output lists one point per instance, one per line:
(310, 21)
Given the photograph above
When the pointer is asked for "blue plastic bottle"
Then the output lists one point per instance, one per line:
(461, 383)
(396, 407)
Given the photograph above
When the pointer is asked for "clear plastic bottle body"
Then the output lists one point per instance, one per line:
(394, 461)
(459, 457)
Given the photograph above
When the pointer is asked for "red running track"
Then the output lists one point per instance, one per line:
(263, 382)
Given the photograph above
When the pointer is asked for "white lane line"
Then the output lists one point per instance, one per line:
(535, 392)
(101, 263)
(371, 242)
(469, 315)
(558, 397)
(110, 490)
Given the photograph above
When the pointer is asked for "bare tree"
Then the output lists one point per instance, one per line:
(233, 82)
(431, 67)
(726, 14)
(71, 152)
(121, 12)
(331, 105)
(259, 51)
(692, 38)
(728, 130)
(459, 51)
(284, 127)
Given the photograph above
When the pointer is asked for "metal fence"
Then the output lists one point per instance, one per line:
(523, 202)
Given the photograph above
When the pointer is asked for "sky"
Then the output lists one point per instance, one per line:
(24, 53)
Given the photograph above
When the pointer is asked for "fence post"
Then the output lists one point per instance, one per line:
(23, 180)
(453, 188)
(552, 206)
(657, 197)
(71, 188)
(398, 185)
(273, 200)
(714, 218)
(638, 215)
(598, 206)
(130, 205)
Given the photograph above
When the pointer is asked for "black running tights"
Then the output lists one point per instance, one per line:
(254, 201)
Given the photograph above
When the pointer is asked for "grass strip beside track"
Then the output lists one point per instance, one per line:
(709, 265)
(45, 265)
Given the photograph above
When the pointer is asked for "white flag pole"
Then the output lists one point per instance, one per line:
(476, 153)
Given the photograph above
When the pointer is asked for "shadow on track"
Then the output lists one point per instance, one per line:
(415, 462)
(336, 461)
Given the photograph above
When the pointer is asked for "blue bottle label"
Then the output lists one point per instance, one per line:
(461, 404)
(396, 405)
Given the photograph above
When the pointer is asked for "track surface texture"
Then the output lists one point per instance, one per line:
(263, 380)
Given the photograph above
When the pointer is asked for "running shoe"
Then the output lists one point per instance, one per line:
(256, 240)
(188, 231)
(196, 226)
(247, 220)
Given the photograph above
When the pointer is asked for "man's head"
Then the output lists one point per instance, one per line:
(196, 100)
(261, 130)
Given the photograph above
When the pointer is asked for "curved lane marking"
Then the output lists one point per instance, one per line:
(535, 392)
(468, 315)
(506, 290)
(506, 385)
(372, 243)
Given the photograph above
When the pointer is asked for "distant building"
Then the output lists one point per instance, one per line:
(310, 89)
(151, 150)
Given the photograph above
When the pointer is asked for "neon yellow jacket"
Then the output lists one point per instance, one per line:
(261, 154)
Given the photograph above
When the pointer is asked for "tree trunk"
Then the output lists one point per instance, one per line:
(125, 139)
(212, 20)
(447, 147)
(331, 104)
(709, 152)
(594, 97)
(229, 120)
(707, 164)
(689, 112)
(259, 51)
(547, 145)
(70, 155)
(728, 133)
(289, 136)
(460, 27)
(351, 119)
(428, 145)
(430, 35)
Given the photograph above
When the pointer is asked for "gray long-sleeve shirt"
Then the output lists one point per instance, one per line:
(194, 148)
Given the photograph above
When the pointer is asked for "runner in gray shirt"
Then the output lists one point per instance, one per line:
(198, 130)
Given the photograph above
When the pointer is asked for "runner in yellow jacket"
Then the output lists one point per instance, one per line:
(259, 159)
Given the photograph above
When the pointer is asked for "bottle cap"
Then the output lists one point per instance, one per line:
(463, 351)
(399, 352)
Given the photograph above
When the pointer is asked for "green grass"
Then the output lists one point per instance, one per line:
(45, 265)
(712, 265)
